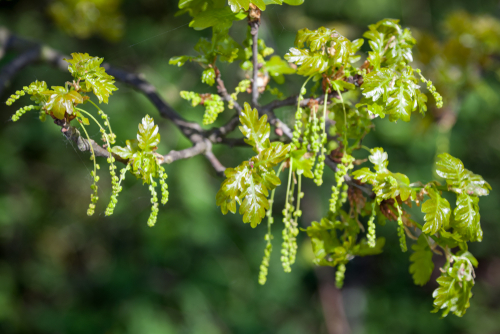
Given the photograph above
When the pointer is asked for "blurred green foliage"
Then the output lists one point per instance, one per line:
(196, 270)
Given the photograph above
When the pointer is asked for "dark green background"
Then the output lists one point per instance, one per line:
(196, 270)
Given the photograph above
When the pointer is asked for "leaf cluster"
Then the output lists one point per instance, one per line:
(249, 183)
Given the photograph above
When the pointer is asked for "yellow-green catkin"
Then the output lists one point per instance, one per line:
(116, 191)
(341, 172)
(22, 111)
(339, 275)
(264, 266)
(154, 200)
(289, 245)
(371, 236)
(320, 165)
(163, 184)
(401, 228)
(297, 129)
(432, 89)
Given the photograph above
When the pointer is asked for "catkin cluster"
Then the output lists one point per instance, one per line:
(401, 228)
(341, 172)
(432, 89)
(371, 236)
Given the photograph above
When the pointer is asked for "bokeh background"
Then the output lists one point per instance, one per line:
(196, 270)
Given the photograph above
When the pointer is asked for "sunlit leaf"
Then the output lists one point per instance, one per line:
(467, 218)
(255, 129)
(147, 136)
(454, 289)
(437, 210)
(61, 101)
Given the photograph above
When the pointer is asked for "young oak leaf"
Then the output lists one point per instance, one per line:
(309, 62)
(454, 289)
(255, 201)
(301, 163)
(270, 157)
(474, 184)
(450, 168)
(421, 261)
(467, 218)
(276, 67)
(255, 129)
(61, 101)
(379, 158)
(147, 136)
(94, 77)
(230, 190)
(437, 210)
(128, 151)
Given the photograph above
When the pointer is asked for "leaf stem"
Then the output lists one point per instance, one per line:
(345, 120)
(107, 120)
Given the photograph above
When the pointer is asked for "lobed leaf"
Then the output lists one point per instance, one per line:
(467, 218)
(450, 168)
(301, 163)
(94, 77)
(255, 129)
(437, 210)
(148, 137)
(454, 289)
(61, 101)
(421, 266)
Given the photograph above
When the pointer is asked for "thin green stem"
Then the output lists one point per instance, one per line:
(345, 121)
(109, 124)
(301, 89)
(324, 113)
(99, 124)
(91, 147)
(289, 181)
(366, 148)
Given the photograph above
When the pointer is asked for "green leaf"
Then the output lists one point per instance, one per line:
(259, 3)
(467, 218)
(421, 261)
(302, 163)
(437, 210)
(179, 61)
(342, 85)
(454, 289)
(237, 5)
(208, 76)
(364, 249)
(230, 190)
(450, 168)
(474, 184)
(148, 137)
(400, 102)
(315, 38)
(270, 157)
(378, 84)
(390, 44)
(128, 151)
(256, 130)
(273, 2)
(379, 158)
(294, 2)
(255, 201)
(364, 175)
(276, 67)
(309, 63)
(61, 101)
(221, 18)
(88, 69)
